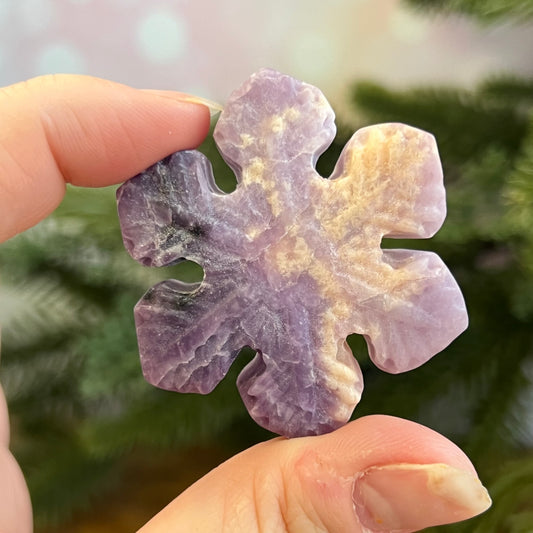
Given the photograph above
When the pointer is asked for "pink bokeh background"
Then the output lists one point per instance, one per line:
(209, 47)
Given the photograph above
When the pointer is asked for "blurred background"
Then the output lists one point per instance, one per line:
(101, 449)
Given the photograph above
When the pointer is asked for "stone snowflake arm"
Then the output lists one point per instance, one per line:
(290, 387)
(274, 119)
(189, 334)
(389, 178)
(298, 396)
(271, 133)
(421, 312)
(167, 212)
(388, 182)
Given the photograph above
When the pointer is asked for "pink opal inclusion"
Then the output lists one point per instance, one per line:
(292, 261)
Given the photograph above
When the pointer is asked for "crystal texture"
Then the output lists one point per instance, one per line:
(292, 261)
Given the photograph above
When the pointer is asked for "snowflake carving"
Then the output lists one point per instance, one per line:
(292, 261)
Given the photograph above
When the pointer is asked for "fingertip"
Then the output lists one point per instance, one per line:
(328, 469)
(390, 439)
(415, 496)
(119, 131)
(85, 131)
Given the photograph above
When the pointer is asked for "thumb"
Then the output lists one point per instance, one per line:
(378, 473)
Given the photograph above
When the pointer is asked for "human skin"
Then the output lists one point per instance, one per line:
(374, 474)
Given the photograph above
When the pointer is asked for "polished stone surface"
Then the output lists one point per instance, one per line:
(292, 261)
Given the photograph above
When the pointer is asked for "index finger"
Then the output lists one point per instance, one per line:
(85, 131)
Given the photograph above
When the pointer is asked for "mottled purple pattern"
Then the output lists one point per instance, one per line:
(292, 261)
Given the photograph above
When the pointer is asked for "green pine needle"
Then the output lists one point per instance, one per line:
(465, 124)
(41, 307)
(487, 11)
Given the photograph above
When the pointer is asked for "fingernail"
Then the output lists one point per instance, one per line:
(412, 497)
(214, 107)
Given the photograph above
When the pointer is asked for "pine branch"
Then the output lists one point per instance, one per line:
(91, 212)
(512, 491)
(165, 420)
(518, 217)
(512, 504)
(45, 372)
(111, 373)
(510, 89)
(520, 521)
(474, 200)
(39, 308)
(67, 481)
(487, 11)
(502, 398)
(465, 124)
(519, 190)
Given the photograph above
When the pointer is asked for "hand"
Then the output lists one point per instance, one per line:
(375, 474)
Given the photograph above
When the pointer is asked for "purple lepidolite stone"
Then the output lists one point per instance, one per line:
(292, 261)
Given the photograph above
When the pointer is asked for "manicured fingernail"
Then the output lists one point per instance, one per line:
(412, 497)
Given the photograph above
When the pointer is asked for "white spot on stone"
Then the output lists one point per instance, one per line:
(60, 58)
(246, 140)
(277, 125)
(162, 36)
(291, 114)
